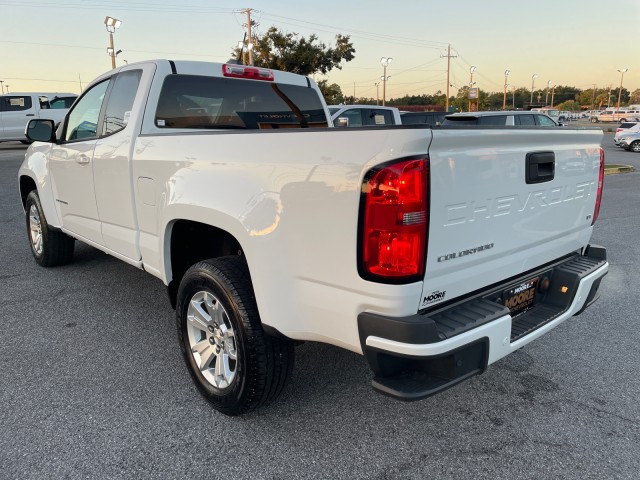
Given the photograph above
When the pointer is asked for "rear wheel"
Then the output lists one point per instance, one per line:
(236, 366)
(635, 146)
(50, 247)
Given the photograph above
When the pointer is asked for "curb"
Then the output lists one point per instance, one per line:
(615, 169)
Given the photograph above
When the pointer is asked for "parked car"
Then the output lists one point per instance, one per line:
(422, 118)
(501, 118)
(16, 109)
(624, 129)
(364, 115)
(631, 142)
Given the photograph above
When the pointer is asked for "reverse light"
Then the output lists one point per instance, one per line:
(245, 71)
(596, 210)
(394, 221)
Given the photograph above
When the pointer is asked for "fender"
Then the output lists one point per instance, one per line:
(36, 167)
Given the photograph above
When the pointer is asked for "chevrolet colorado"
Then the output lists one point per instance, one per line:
(432, 252)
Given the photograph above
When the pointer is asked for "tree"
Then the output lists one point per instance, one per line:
(569, 105)
(304, 56)
(634, 99)
(332, 93)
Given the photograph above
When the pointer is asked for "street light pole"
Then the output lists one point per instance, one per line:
(112, 24)
(377, 84)
(546, 100)
(504, 99)
(514, 97)
(2, 85)
(553, 92)
(471, 70)
(384, 61)
(620, 90)
(533, 80)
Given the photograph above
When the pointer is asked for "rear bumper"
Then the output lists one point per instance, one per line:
(417, 356)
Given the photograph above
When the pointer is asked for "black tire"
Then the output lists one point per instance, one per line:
(50, 247)
(262, 363)
(635, 146)
(594, 120)
(622, 120)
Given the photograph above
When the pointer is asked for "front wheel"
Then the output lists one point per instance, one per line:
(236, 366)
(635, 146)
(594, 120)
(50, 247)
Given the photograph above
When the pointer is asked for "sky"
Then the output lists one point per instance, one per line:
(61, 45)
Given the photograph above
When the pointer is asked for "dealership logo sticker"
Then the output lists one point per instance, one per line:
(435, 297)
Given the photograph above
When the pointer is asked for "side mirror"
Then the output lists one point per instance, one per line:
(41, 131)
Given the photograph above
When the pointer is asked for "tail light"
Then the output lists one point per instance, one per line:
(596, 211)
(244, 71)
(394, 224)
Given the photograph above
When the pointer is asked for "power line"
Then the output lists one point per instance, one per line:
(128, 50)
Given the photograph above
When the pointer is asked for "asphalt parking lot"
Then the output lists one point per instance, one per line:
(92, 384)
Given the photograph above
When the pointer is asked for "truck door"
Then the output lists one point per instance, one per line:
(71, 165)
(112, 162)
(15, 113)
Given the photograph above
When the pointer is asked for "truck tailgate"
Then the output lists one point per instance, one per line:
(504, 201)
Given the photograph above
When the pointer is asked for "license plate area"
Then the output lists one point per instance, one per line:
(521, 297)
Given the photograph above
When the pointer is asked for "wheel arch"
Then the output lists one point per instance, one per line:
(27, 184)
(187, 242)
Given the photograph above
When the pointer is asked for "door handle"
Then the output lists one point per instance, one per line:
(83, 160)
(30, 115)
(541, 167)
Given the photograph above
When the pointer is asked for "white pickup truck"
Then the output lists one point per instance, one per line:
(433, 252)
(16, 109)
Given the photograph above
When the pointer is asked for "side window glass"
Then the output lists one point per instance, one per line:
(83, 119)
(353, 115)
(545, 121)
(379, 117)
(15, 103)
(496, 120)
(527, 120)
(120, 101)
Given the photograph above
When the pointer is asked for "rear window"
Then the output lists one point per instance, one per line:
(193, 101)
(627, 124)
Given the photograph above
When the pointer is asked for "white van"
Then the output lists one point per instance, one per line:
(614, 115)
(16, 109)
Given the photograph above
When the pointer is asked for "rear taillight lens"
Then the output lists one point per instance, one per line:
(395, 221)
(596, 211)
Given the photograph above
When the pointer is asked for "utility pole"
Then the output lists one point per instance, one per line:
(449, 56)
(2, 85)
(250, 45)
(354, 92)
(80, 82)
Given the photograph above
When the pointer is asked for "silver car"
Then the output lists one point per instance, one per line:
(631, 142)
